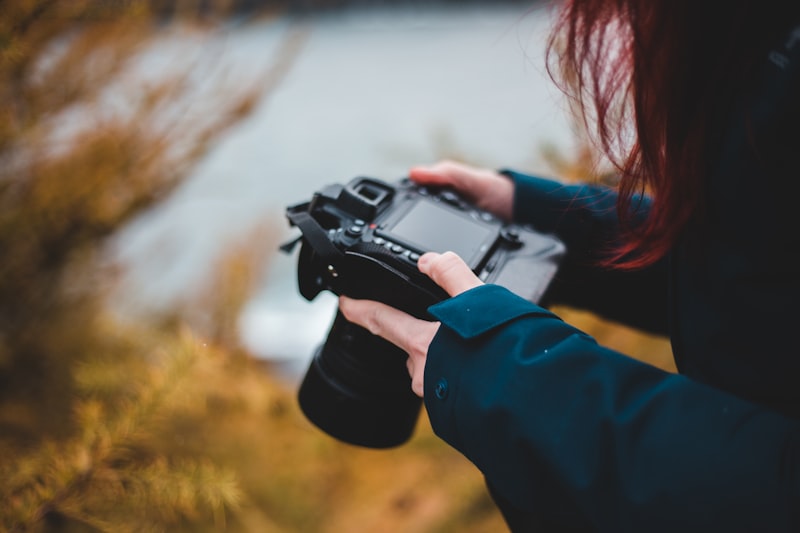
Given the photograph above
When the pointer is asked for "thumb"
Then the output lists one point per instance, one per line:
(449, 271)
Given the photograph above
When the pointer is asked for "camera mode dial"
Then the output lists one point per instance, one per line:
(511, 237)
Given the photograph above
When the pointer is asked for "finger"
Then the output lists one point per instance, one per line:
(417, 377)
(418, 384)
(430, 176)
(410, 334)
(443, 173)
(487, 188)
(448, 271)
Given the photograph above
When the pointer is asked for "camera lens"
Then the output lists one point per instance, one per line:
(357, 388)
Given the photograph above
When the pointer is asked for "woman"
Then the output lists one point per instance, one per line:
(699, 108)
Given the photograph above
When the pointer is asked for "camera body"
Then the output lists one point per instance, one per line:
(363, 240)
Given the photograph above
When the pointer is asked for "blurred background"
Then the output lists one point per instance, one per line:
(356, 89)
(151, 335)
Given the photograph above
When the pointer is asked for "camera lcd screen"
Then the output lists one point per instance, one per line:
(433, 228)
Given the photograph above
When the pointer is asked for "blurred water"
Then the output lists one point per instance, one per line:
(371, 92)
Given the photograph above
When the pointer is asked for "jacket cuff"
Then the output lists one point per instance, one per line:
(539, 201)
(469, 348)
(481, 309)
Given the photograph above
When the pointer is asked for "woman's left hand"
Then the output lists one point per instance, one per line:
(410, 334)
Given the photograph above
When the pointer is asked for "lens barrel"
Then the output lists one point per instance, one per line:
(357, 388)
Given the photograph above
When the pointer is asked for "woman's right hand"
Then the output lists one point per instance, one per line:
(486, 188)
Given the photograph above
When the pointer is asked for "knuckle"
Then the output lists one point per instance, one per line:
(443, 264)
(374, 320)
(449, 167)
(449, 258)
(418, 347)
(419, 343)
(381, 320)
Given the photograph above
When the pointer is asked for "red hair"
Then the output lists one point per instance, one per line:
(652, 79)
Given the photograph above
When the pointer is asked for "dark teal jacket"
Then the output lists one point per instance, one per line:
(573, 436)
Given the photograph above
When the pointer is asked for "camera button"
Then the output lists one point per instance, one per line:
(355, 231)
(413, 256)
(398, 249)
(379, 240)
(512, 237)
(451, 198)
(441, 389)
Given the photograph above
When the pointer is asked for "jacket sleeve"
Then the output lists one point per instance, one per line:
(583, 435)
(585, 218)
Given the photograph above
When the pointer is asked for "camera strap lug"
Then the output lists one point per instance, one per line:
(288, 247)
(317, 237)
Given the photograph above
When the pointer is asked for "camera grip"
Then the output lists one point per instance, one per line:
(388, 280)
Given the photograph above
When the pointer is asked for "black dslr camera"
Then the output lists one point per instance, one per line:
(363, 240)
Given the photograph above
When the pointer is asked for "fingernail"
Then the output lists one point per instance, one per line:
(426, 259)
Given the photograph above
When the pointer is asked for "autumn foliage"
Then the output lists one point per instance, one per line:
(111, 425)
